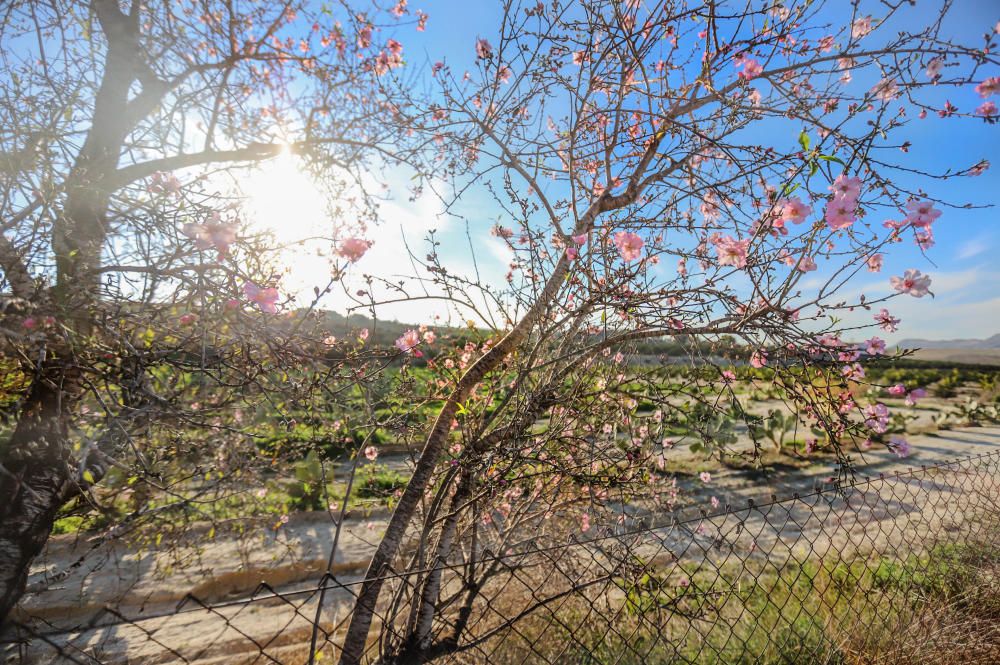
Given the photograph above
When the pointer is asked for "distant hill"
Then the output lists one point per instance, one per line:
(989, 343)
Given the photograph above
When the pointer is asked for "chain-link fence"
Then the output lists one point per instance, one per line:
(894, 568)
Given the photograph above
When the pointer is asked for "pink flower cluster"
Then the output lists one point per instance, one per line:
(920, 215)
(389, 58)
(751, 67)
(792, 210)
(353, 249)
(877, 417)
(841, 209)
(164, 183)
(629, 245)
(213, 233)
(731, 252)
(579, 241)
(408, 341)
(265, 298)
(886, 321)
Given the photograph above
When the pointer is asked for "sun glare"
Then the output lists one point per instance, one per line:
(285, 202)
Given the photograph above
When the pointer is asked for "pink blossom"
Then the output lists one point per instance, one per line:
(728, 376)
(792, 210)
(408, 341)
(371, 452)
(900, 446)
(758, 359)
(365, 36)
(885, 90)
(875, 346)
(807, 264)
(877, 417)
(839, 212)
(934, 68)
(924, 239)
(874, 263)
(212, 233)
(484, 51)
(979, 168)
(732, 252)
(751, 68)
(845, 187)
(266, 298)
(164, 183)
(897, 390)
(887, 322)
(921, 213)
(629, 245)
(861, 27)
(430, 337)
(915, 395)
(987, 109)
(811, 445)
(353, 249)
(848, 355)
(705, 477)
(585, 522)
(853, 372)
(912, 283)
(988, 87)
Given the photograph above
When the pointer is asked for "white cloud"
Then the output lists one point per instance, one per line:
(973, 247)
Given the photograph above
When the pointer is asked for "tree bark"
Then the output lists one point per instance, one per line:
(35, 481)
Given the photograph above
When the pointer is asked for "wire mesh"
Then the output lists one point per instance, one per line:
(892, 568)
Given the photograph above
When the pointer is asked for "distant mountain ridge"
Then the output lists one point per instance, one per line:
(988, 343)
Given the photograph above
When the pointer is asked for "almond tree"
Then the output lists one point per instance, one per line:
(665, 169)
(124, 268)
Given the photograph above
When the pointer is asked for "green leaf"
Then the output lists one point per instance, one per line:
(789, 188)
(804, 140)
(88, 476)
(831, 158)
(813, 167)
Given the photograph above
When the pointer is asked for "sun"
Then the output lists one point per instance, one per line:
(286, 203)
(283, 200)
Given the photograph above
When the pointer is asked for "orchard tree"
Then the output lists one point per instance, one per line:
(663, 170)
(138, 304)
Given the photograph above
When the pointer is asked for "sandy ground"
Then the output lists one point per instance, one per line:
(226, 568)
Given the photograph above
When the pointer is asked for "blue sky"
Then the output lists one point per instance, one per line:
(963, 264)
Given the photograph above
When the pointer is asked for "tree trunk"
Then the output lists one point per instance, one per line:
(35, 481)
(381, 563)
